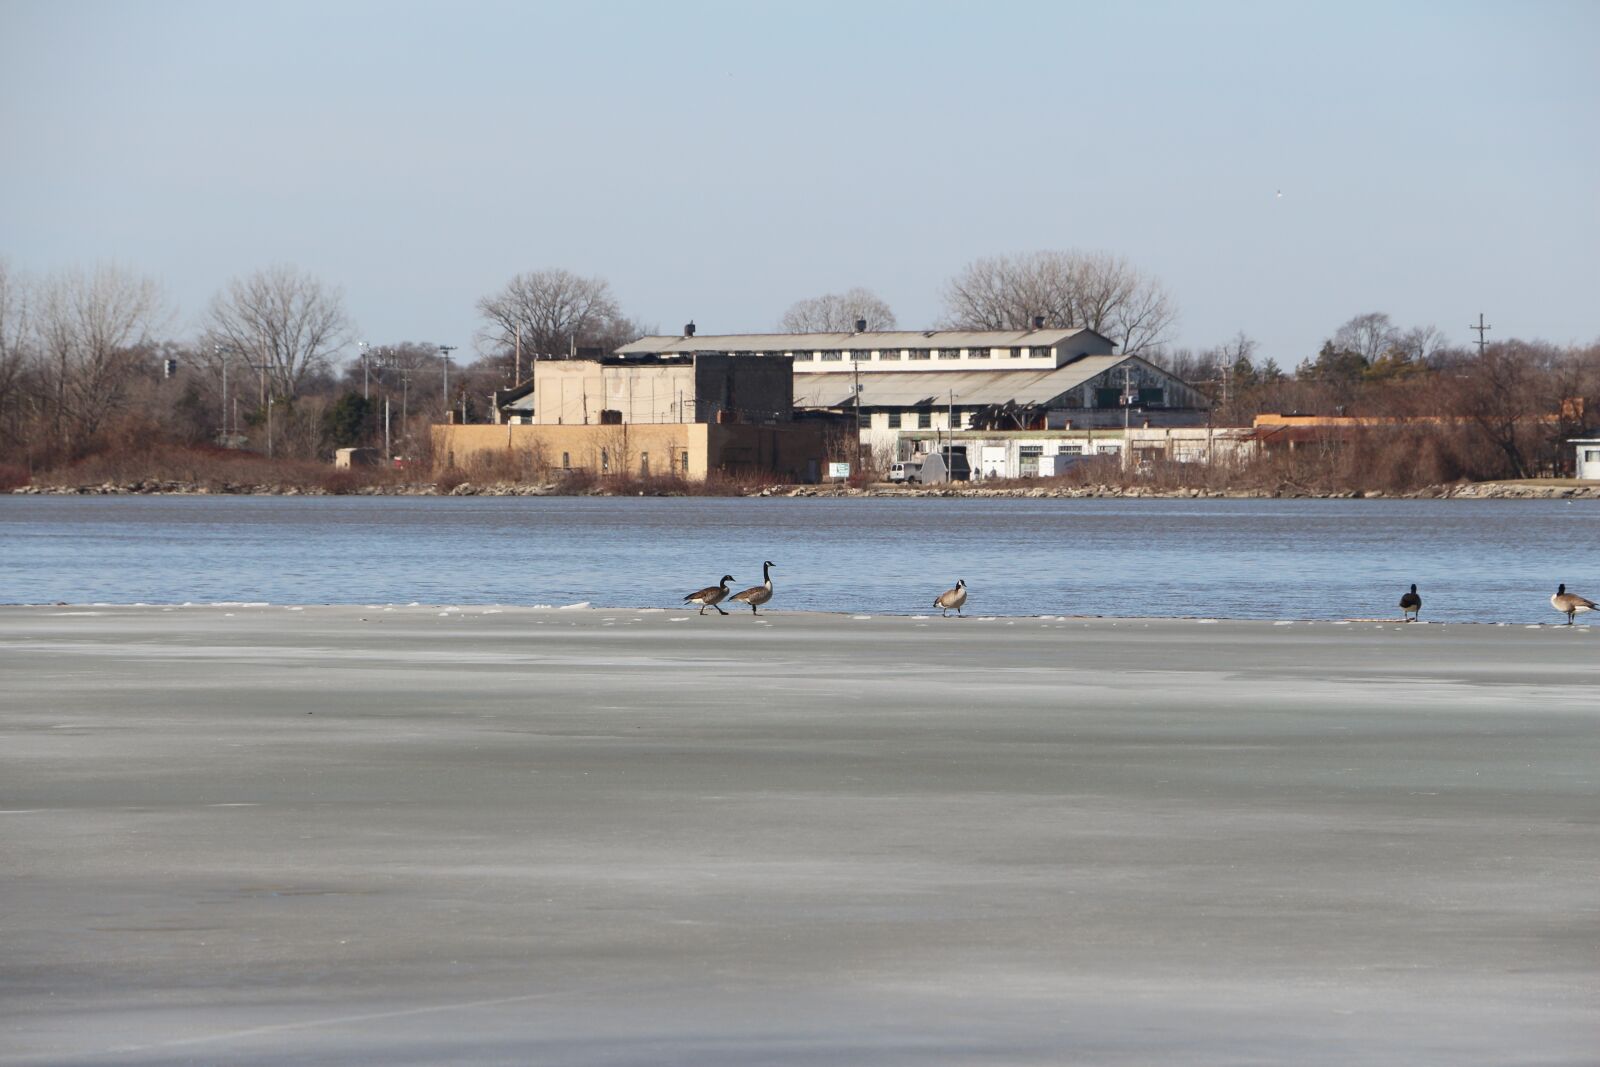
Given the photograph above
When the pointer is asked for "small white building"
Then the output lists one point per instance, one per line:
(1587, 463)
(1035, 454)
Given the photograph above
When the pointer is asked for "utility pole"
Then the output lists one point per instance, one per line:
(855, 371)
(1481, 329)
(362, 347)
(224, 395)
(269, 427)
(387, 453)
(950, 453)
(445, 350)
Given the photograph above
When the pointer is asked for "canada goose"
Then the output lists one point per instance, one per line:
(952, 598)
(711, 595)
(1411, 604)
(1569, 604)
(758, 595)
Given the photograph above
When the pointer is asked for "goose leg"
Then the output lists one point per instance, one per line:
(702, 609)
(719, 608)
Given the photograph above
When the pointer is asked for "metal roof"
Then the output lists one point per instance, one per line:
(828, 342)
(921, 388)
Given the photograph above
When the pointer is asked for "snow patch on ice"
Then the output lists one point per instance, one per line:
(574, 607)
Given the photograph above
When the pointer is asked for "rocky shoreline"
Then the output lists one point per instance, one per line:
(1463, 491)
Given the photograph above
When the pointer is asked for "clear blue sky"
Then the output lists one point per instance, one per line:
(719, 161)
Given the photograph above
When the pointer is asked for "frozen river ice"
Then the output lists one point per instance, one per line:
(257, 835)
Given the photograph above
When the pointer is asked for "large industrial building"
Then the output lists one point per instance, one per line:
(991, 379)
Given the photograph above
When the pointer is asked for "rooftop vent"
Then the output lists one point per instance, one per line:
(1038, 322)
(688, 328)
(861, 326)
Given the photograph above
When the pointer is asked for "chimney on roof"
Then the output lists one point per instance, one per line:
(1038, 322)
(861, 326)
(688, 328)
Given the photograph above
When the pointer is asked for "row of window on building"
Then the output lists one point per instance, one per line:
(849, 355)
(677, 462)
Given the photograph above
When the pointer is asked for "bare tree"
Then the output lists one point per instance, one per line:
(838, 313)
(555, 311)
(15, 344)
(1091, 290)
(280, 319)
(1370, 336)
(88, 327)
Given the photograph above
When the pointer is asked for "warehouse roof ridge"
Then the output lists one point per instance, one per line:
(868, 339)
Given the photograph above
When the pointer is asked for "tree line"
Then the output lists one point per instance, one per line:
(1503, 409)
(88, 360)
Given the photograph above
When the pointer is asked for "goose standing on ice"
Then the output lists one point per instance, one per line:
(952, 598)
(1569, 604)
(1411, 604)
(758, 595)
(711, 596)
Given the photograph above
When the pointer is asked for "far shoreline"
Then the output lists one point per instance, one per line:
(1534, 489)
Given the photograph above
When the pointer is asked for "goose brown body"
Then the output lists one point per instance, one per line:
(1411, 603)
(757, 595)
(952, 598)
(711, 596)
(1570, 604)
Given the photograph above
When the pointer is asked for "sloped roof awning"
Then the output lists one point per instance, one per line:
(910, 389)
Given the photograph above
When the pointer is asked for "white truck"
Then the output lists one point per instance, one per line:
(910, 471)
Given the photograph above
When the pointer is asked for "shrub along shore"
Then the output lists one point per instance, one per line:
(1038, 489)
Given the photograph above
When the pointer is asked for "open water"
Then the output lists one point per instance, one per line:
(1486, 560)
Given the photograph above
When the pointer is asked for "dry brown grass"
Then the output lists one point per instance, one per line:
(212, 468)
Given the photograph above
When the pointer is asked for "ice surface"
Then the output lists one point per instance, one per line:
(505, 840)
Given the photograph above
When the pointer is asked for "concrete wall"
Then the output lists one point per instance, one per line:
(668, 448)
(574, 392)
(752, 389)
(744, 388)
(688, 450)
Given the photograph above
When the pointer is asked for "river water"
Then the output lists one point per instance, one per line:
(1485, 560)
